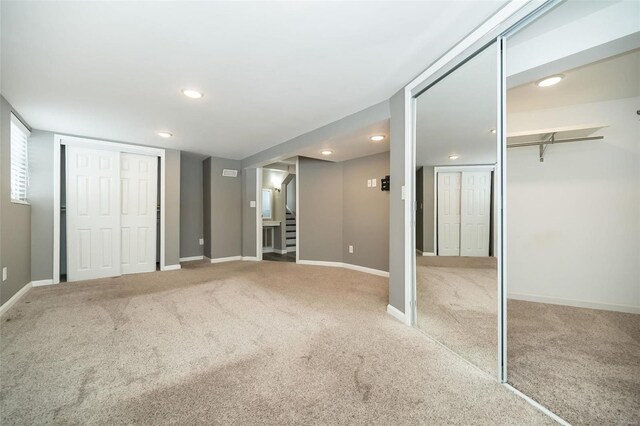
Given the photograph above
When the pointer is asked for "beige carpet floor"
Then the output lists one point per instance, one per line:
(583, 364)
(458, 306)
(236, 343)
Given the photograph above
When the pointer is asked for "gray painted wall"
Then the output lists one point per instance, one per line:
(172, 209)
(41, 198)
(420, 209)
(249, 177)
(366, 212)
(15, 219)
(320, 210)
(191, 204)
(225, 203)
(338, 209)
(429, 205)
(396, 204)
(206, 206)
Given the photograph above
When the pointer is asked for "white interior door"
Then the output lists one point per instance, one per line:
(139, 199)
(476, 213)
(449, 214)
(93, 214)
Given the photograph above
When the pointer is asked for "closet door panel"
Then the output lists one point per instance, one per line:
(93, 219)
(449, 214)
(476, 213)
(139, 176)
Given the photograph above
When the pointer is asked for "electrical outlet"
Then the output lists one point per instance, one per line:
(369, 183)
(351, 249)
(373, 183)
(4, 273)
(201, 241)
(252, 203)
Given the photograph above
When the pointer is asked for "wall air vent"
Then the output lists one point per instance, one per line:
(229, 173)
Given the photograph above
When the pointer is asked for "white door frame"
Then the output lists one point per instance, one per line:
(259, 227)
(60, 140)
(445, 169)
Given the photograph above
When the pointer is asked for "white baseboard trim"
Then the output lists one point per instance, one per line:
(344, 265)
(226, 259)
(280, 251)
(394, 312)
(291, 249)
(172, 267)
(191, 258)
(250, 258)
(366, 270)
(428, 253)
(9, 303)
(268, 250)
(39, 283)
(575, 303)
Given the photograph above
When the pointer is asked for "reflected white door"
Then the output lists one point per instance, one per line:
(93, 214)
(139, 178)
(449, 214)
(476, 213)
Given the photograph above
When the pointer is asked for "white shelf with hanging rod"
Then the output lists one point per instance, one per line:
(545, 137)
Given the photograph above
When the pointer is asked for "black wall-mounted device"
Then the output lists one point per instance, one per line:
(385, 183)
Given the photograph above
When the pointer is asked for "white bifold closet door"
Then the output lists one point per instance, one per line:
(93, 213)
(139, 179)
(464, 213)
(476, 213)
(449, 214)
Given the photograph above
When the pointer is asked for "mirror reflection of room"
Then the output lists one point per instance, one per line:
(278, 200)
(456, 154)
(573, 210)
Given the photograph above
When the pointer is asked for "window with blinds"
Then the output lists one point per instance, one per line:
(19, 160)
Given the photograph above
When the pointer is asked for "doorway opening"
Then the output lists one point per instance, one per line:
(278, 213)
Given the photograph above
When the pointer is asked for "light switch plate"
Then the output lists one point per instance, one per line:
(201, 241)
(374, 182)
(403, 192)
(350, 249)
(369, 183)
(252, 203)
(4, 273)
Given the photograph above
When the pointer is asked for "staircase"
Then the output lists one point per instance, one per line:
(291, 231)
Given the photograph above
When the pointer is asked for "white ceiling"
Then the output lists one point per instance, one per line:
(269, 71)
(351, 145)
(456, 115)
(613, 78)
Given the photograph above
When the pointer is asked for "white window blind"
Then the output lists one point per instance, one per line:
(19, 160)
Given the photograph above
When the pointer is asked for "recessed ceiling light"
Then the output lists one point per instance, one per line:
(326, 152)
(164, 134)
(377, 138)
(193, 94)
(550, 81)
(454, 157)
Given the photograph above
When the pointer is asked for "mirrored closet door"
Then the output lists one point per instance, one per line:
(456, 216)
(573, 211)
